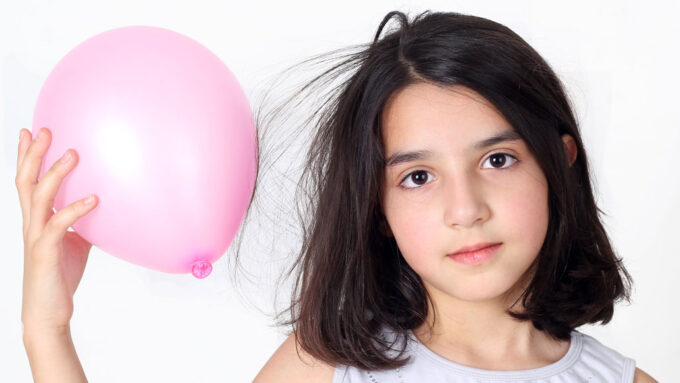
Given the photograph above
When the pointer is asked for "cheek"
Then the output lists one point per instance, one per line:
(525, 212)
(414, 234)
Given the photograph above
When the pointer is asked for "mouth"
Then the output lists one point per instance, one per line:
(478, 253)
(475, 247)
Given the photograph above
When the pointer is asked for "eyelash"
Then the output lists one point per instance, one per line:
(421, 170)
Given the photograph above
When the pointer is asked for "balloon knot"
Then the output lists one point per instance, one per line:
(201, 269)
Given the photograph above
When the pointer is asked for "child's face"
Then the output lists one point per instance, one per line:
(462, 195)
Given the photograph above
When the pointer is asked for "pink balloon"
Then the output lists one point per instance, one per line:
(166, 140)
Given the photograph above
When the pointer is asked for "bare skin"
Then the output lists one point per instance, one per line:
(463, 199)
(461, 202)
(54, 262)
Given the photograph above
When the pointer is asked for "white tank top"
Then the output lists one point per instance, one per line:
(587, 360)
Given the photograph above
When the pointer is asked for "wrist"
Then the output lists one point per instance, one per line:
(37, 333)
(52, 355)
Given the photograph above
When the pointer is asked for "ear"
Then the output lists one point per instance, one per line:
(569, 148)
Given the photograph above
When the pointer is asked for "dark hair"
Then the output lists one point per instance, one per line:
(350, 278)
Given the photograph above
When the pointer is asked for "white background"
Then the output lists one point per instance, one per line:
(620, 64)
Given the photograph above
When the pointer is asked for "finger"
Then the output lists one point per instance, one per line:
(24, 141)
(29, 169)
(56, 227)
(42, 198)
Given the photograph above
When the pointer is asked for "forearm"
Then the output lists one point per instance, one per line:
(53, 357)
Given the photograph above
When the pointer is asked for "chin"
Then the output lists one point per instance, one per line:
(477, 291)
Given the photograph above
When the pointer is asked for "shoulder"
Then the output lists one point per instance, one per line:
(290, 363)
(613, 357)
(642, 377)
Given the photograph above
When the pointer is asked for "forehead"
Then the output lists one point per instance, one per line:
(426, 113)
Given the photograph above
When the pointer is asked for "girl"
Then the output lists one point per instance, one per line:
(464, 244)
(455, 237)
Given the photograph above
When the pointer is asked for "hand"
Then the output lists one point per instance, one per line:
(54, 258)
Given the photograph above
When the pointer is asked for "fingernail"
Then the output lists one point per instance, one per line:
(89, 200)
(66, 157)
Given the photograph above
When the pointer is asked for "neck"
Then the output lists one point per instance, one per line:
(481, 334)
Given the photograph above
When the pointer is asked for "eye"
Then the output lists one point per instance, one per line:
(501, 160)
(410, 176)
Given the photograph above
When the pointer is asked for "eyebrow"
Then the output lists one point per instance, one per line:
(402, 157)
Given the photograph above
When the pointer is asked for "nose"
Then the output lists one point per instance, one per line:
(465, 202)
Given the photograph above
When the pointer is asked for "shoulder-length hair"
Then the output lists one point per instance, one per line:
(351, 281)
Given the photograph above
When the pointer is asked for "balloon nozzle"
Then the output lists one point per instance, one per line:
(201, 269)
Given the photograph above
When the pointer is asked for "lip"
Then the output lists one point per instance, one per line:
(481, 254)
(475, 247)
